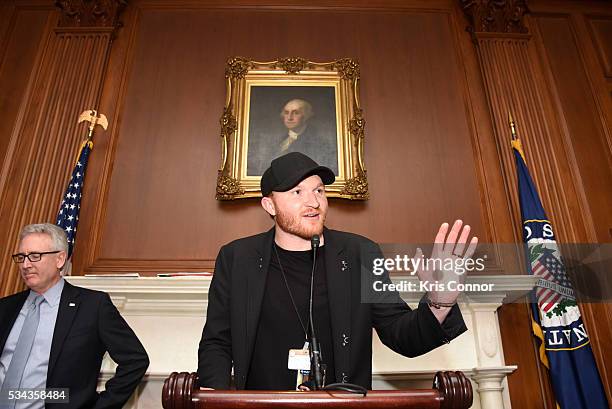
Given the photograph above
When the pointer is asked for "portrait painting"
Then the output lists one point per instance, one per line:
(291, 105)
(287, 119)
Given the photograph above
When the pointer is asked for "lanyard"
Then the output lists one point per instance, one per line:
(291, 294)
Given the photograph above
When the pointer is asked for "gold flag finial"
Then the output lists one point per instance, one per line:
(516, 142)
(91, 116)
(512, 126)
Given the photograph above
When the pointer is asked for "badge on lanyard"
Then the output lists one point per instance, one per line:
(299, 360)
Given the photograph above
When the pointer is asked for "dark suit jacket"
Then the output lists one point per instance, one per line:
(82, 334)
(236, 293)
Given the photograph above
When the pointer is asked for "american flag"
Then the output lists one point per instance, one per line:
(68, 215)
(550, 268)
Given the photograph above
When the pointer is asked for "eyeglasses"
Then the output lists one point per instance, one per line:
(33, 257)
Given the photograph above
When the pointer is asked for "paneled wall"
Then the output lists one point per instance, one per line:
(435, 101)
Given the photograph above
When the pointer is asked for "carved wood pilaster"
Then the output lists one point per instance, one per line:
(510, 76)
(495, 16)
(90, 13)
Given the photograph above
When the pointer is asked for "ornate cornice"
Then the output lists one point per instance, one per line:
(90, 13)
(292, 65)
(357, 187)
(228, 187)
(237, 67)
(496, 16)
(347, 68)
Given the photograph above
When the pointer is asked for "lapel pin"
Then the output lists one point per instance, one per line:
(71, 304)
(344, 265)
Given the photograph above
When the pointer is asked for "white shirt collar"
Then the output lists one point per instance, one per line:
(52, 295)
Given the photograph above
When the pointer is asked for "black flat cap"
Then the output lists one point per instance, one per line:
(290, 169)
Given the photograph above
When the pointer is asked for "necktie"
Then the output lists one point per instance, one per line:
(12, 380)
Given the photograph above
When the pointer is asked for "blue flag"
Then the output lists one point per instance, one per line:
(68, 214)
(564, 343)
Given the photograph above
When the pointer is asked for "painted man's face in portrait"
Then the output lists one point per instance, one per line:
(293, 115)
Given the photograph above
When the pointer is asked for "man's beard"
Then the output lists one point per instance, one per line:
(293, 225)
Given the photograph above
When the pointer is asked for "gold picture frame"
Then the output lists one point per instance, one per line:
(252, 123)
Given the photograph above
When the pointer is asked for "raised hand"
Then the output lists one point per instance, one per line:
(438, 272)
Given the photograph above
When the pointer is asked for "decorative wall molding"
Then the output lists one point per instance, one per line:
(90, 13)
(598, 27)
(146, 296)
(496, 16)
(189, 295)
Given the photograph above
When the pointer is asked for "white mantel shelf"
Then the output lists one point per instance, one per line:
(189, 295)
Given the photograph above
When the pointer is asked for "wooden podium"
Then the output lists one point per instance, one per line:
(451, 390)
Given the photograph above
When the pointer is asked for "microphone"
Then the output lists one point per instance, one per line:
(315, 348)
(314, 242)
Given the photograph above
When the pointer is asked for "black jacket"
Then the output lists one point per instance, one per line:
(236, 293)
(87, 325)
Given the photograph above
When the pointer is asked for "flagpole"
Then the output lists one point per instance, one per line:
(512, 126)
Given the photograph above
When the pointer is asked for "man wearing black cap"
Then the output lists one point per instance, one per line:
(258, 304)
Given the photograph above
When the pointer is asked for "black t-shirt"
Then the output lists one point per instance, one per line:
(279, 328)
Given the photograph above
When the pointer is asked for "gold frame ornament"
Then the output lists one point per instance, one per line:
(242, 75)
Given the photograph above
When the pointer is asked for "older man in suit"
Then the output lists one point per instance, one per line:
(54, 334)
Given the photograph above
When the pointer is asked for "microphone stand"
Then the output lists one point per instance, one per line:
(314, 347)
